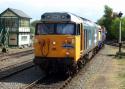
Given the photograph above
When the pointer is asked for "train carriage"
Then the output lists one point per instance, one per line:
(62, 40)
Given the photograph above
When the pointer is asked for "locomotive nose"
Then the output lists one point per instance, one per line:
(55, 46)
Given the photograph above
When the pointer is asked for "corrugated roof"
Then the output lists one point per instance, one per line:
(20, 13)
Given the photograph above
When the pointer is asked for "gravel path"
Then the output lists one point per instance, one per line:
(99, 73)
(22, 79)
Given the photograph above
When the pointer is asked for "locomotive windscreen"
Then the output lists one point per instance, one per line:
(57, 28)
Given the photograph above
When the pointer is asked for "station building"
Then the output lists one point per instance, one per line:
(14, 28)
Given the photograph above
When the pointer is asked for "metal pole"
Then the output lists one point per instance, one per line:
(120, 43)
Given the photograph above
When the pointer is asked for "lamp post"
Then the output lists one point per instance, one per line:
(120, 43)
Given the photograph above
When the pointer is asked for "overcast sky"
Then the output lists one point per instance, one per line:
(90, 9)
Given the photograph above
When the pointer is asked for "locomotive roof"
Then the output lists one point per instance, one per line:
(88, 23)
(61, 16)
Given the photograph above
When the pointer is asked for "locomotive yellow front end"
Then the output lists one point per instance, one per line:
(54, 46)
(57, 45)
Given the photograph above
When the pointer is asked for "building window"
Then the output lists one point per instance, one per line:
(9, 22)
(24, 23)
(24, 38)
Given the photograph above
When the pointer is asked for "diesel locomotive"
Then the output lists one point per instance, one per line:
(64, 42)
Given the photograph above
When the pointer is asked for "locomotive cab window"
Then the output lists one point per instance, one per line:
(45, 28)
(56, 28)
(78, 29)
(65, 29)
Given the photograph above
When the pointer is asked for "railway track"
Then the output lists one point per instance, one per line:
(46, 82)
(53, 82)
(15, 68)
(49, 82)
(4, 56)
(22, 78)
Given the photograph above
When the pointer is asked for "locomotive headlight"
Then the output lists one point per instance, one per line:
(67, 53)
(53, 42)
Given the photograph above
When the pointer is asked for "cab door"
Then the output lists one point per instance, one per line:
(81, 34)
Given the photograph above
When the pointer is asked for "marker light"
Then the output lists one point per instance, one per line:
(67, 53)
(53, 42)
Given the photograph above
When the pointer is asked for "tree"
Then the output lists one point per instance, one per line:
(115, 28)
(106, 20)
(111, 21)
(123, 28)
(33, 24)
(32, 30)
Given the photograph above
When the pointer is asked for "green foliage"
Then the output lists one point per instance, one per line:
(32, 30)
(115, 28)
(101, 21)
(123, 28)
(110, 20)
(108, 12)
(33, 23)
(106, 20)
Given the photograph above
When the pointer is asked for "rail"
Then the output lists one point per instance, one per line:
(15, 68)
(5, 56)
(41, 83)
